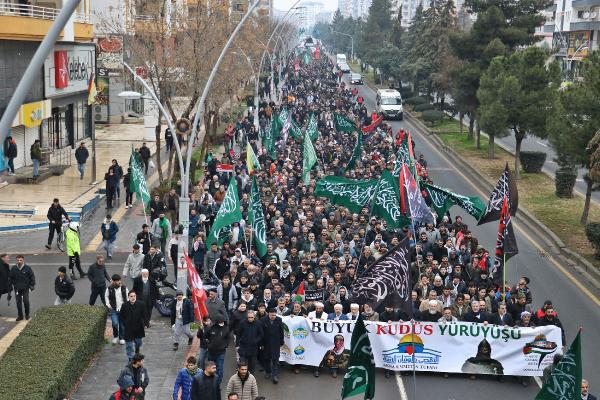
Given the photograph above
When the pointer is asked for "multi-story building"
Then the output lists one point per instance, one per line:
(55, 110)
(574, 26)
(309, 12)
(345, 7)
(360, 8)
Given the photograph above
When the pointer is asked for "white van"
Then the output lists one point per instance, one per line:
(389, 104)
(340, 59)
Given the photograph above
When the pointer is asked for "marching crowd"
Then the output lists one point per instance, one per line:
(310, 241)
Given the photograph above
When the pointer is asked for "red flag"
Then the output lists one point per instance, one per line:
(410, 147)
(198, 293)
(374, 124)
(317, 52)
(506, 244)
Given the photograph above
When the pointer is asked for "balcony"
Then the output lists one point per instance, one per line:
(32, 22)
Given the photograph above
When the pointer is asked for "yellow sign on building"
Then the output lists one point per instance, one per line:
(32, 114)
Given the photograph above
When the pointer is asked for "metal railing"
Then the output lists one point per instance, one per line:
(32, 11)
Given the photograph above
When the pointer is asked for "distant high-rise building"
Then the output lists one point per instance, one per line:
(345, 7)
(360, 8)
(310, 13)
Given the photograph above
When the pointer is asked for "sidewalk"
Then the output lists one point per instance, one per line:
(162, 363)
(24, 205)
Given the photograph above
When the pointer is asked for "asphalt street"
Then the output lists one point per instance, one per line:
(576, 301)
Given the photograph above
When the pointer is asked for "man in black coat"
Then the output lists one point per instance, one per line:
(477, 313)
(134, 318)
(5, 275)
(217, 337)
(22, 280)
(147, 292)
(145, 156)
(54, 215)
(272, 341)
(204, 385)
(81, 155)
(248, 340)
(63, 287)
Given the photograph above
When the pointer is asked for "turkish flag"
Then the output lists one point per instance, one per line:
(61, 69)
(197, 288)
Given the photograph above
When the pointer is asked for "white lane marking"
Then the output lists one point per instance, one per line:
(579, 180)
(401, 389)
(542, 143)
(550, 161)
(538, 381)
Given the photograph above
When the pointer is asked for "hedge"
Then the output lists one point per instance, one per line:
(423, 107)
(564, 180)
(592, 231)
(413, 101)
(432, 116)
(51, 353)
(532, 161)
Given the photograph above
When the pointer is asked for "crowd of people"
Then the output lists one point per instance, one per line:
(310, 241)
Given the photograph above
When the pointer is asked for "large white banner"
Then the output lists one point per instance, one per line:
(437, 347)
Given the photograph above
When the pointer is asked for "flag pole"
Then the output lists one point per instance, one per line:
(504, 276)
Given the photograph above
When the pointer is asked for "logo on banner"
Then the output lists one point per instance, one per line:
(298, 350)
(539, 349)
(300, 333)
(286, 330)
(410, 346)
(61, 69)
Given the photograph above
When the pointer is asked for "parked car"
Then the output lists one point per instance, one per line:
(356, 79)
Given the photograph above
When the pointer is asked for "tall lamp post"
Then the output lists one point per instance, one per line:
(184, 164)
(351, 42)
(280, 23)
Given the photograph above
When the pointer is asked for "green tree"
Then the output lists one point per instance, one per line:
(517, 92)
(573, 123)
(376, 30)
(500, 28)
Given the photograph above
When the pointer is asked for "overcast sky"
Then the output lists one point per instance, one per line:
(328, 5)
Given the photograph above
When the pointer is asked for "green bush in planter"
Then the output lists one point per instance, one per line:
(564, 180)
(532, 161)
(592, 231)
(414, 101)
(432, 116)
(51, 353)
(423, 107)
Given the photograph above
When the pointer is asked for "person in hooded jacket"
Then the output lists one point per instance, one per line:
(10, 152)
(126, 390)
(74, 250)
(63, 287)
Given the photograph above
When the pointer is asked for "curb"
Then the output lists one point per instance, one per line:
(524, 217)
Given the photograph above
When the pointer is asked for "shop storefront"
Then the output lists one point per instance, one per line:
(67, 71)
(26, 128)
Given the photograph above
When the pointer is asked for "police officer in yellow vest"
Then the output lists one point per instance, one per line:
(73, 249)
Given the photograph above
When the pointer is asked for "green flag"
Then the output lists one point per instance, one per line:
(295, 131)
(228, 213)
(404, 156)
(137, 183)
(269, 137)
(306, 58)
(257, 220)
(352, 194)
(360, 376)
(343, 123)
(312, 129)
(276, 125)
(357, 152)
(386, 202)
(310, 158)
(442, 199)
(565, 381)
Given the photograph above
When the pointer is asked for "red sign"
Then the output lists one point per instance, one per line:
(61, 69)
(224, 168)
(375, 124)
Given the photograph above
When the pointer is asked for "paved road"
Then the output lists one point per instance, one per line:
(576, 304)
(531, 143)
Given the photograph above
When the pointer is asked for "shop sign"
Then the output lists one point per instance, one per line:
(32, 114)
(67, 69)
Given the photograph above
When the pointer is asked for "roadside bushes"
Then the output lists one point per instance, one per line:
(532, 161)
(423, 107)
(432, 116)
(565, 177)
(50, 354)
(415, 101)
(592, 231)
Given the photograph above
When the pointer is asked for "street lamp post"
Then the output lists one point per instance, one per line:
(184, 165)
(263, 58)
(351, 42)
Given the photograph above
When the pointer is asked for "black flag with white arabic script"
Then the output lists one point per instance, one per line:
(387, 279)
(506, 186)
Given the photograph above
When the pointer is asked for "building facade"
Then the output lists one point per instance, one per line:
(573, 26)
(55, 110)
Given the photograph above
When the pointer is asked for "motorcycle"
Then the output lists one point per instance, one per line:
(165, 299)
